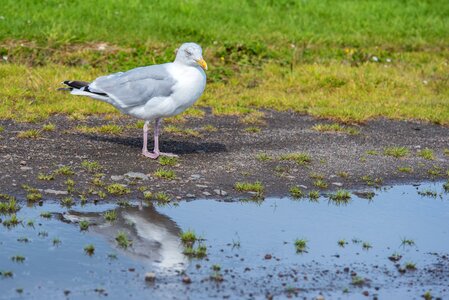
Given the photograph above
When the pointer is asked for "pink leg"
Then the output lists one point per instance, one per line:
(156, 153)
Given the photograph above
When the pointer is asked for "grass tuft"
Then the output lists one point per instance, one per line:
(426, 153)
(122, 240)
(117, 189)
(301, 245)
(168, 161)
(296, 192)
(397, 152)
(165, 174)
(335, 127)
(300, 158)
(29, 134)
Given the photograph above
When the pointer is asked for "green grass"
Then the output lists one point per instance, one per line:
(165, 174)
(188, 237)
(162, 197)
(168, 161)
(117, 189)
(48, 127)
(296, 192)
(301, 245)
(12, 221)
(45, 214)
(181, 131)
(405, 169)
(89, 249)
(29, 134)
(300, 158)
(122, 240)
(46, 177)
(91, 166)
(256, 187)
(426, 153)
(110, 215)
(8, 207)
(340, 196)
(111, 129)
(64, 170)
(18, 258)
(335, 127)
(397, 152)
(319, 60)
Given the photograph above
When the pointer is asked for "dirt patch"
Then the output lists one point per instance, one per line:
(216, 152)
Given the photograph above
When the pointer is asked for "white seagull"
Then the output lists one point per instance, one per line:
(152, 92)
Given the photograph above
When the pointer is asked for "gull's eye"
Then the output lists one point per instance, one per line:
(188, 52)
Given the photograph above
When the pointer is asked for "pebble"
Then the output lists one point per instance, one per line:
(26, 168)
(150, 277)
(136, 175)
(207, 194)
(195, 176)
(55, 192)
(303, 186)
(337, 183)
(220, 192)
(190, 196)
(268, 256)
(186, 279)
(117, 177)
(202, 186)
(319, 297)
(23, 163)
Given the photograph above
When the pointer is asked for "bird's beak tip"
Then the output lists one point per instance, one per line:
(203, 64)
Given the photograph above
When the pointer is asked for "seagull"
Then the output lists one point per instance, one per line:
(153, 92)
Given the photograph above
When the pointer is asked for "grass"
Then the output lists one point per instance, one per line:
(110, 215)
(358, 281)
(340, 196)
(64, 170)
(296, 192)
(256, 187)
(301, 245)
(366, 246)
(12, 221)
(405, 169)
(263, 157)
(314, 195)
(46, 177)
(199, 252)
(84, 225)
(91, 166)
(168, 161)
(342, 243)
(162, 197)
(9, 207)
(48, 127)
(407, 242)
(46, 215)
(111, 129)
(300, 158)
(165, 174)
(89, 249)
(252, 129)
(426, 153)
(67, 202)
(29, 134)
(117, 189)
(410, 266)
(6, 274)
(181, 131)
(18, 258)
(335, 127)
(122, 240)
(319, 183)
(319, 60)
(397, 152)
(188, 237)
(56, 242)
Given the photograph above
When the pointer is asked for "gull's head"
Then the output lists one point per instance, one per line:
(191, 54)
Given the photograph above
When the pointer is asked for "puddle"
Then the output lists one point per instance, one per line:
(253, 244)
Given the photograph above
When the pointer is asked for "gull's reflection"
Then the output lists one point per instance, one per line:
(155, 237)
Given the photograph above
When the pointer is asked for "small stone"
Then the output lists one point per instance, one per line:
(55, 192)
(337, 183)
(365, 293)
(150, 277)
(23, 163)
(202, 186)
(268, 256)
(207, 194)
(136, 175)
(117, 177)
(220, 192)
(303, 186)
(195, 176)
(319, 297)
(186, 279)
(190, 196)
(26, 168)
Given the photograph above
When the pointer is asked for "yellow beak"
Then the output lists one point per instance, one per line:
(202, 63)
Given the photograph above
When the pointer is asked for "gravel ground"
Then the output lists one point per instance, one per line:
(210, 164)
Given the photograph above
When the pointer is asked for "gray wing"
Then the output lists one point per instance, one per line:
(135, 87)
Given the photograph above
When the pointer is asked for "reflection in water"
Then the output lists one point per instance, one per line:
(155, 237)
